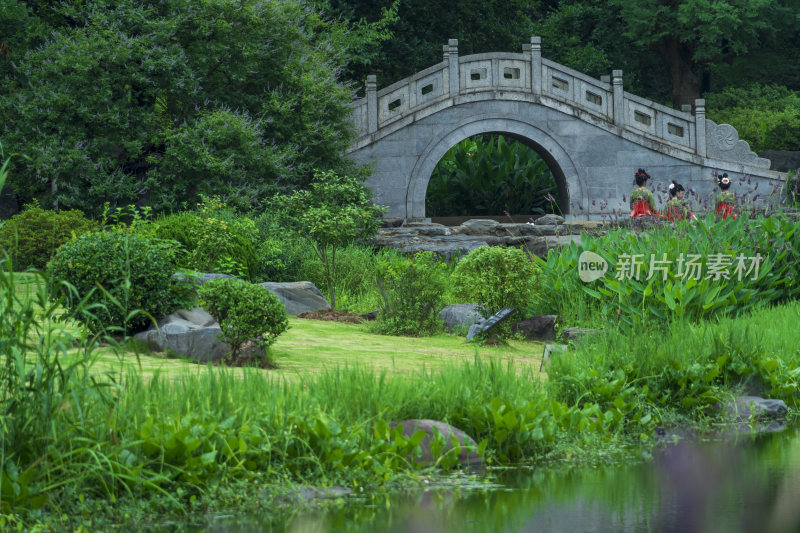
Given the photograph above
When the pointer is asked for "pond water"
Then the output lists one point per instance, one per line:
(746, 484)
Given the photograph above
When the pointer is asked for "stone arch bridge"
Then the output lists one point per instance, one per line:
(592, 133)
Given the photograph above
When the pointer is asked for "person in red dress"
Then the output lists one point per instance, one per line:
(675, 209)
(642, 201)
(726, 200)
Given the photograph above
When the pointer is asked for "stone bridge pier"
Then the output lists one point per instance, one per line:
(592, 134)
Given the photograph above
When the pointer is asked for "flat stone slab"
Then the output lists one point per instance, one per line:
(487, 324)
(298, 296)
(445, 246)
(576, 334)
(467, 458)
(549, 351)
(475, 233)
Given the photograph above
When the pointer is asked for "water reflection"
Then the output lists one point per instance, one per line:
(737, 486)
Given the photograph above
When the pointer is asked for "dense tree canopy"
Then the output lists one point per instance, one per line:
(422, 27)
(665, 47)
(127, 102)
(690, 34)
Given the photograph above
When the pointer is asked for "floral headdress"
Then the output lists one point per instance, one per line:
(675, 188)
(640, 175)
(723, 179)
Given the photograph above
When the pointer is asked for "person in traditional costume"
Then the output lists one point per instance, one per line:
(675, 209)
(726, 200)
(642, 201)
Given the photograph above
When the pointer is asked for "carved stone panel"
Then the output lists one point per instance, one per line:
(723, 143)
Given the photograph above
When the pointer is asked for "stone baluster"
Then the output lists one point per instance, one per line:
(372, 103)
(619, 98)
(451, 54)
(535, 49)
(700, 125)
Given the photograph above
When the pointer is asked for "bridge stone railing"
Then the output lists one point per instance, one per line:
(528, 76)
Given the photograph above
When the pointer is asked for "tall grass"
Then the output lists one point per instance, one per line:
(765, 250)
(686, 366)
(44, 385)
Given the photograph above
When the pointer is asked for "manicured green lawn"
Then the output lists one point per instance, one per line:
(311, 346)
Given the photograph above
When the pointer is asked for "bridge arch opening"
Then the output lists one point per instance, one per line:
(569, 184)
(497, 175)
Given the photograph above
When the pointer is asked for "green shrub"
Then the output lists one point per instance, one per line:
(496, 277)
(413, 290)
(283, 254)
(211, 244)
(119, 274)
(32, 237)
(245, 312)
(768, 116)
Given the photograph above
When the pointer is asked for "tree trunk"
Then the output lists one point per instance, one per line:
(685, 84)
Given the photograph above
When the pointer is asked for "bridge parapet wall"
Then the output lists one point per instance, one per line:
(528, 76)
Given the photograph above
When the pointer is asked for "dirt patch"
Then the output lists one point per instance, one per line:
(333, 315)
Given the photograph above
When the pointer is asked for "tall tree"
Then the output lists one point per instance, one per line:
(422, 27)
(689, 35)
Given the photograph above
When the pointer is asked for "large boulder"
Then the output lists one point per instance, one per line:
(298, 296)
(429, 230)
(744, 407)
(477, 226)
(522, 230)
(537, 328)
(191, 333)
(549, 220)
(408, 241)
(468, 458)
(460, 317)
(541, 246)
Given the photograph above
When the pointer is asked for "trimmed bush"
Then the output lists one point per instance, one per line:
(32, 237)
(413, 290)
(116, 274)
(496, 277)
(245, 312)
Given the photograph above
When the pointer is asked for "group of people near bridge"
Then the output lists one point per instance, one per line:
(643, 203)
